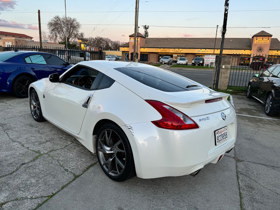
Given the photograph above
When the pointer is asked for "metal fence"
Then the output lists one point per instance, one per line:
(244, 67)
(69, 55)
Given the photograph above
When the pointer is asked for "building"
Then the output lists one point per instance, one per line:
(8, 39)
(150, 50)
(13, 39)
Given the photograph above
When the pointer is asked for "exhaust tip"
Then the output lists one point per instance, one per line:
(195, 173)
(229, 150)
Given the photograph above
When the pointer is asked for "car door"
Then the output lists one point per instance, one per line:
(267, 82)
(38, 65)
(66, 102)
(55, 64)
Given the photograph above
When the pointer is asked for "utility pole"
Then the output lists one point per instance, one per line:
(217, 74)
(136, 30)
(66, 29)
(40, 31)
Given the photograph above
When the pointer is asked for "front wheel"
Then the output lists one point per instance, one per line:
(114, 153)
(35, 106)
(269, 105)
(249, 92)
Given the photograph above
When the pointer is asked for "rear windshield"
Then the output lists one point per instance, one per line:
(158, 78)
(198, 59)
(6, 55)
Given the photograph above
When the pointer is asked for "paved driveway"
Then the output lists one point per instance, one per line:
(43, 167)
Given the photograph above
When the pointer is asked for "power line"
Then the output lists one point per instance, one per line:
(145, 11)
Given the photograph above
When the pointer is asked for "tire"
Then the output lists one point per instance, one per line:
(20, 86)
(114, 153)
(269, 105)
(35, 106)
(249, 92)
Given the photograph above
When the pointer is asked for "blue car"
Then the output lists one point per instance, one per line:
(20, 68)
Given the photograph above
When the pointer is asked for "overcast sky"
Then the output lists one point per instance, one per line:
(167, 18)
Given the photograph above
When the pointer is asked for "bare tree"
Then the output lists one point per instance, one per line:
(105, 43)
(60, 28)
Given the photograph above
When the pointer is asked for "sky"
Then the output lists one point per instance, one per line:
(114, 19)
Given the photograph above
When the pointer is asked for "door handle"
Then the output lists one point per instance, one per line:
(86, 103)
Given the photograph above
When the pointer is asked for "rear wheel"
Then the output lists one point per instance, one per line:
(35, 106)
(269, 105)
(20, 86)
(114, 153)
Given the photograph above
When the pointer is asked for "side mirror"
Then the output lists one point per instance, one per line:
(54, 77)
(66, 64)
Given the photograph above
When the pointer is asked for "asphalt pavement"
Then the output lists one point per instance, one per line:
(42, 167)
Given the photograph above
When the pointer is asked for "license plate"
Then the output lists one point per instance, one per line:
(221, 136)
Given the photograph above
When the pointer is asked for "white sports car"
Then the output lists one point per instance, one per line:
(137, 118)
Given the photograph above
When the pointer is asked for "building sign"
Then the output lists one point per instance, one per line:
(209, 59)
(261, 41)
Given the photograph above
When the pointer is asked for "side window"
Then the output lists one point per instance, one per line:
(54, 60)
(102, 82)
(276, 72)
(81, 76)
(35, 59)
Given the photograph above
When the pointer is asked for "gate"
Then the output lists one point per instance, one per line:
(244, 67)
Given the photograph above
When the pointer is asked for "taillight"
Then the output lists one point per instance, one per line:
(171, 118)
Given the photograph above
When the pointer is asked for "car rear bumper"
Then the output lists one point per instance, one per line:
(160, 153)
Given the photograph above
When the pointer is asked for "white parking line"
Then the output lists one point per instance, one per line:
(252, 116)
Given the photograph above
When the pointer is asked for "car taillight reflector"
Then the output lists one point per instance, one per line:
(171, 118)
(213, 100)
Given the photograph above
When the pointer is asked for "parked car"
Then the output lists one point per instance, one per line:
(166, 60)
(198, 61)
(111, 58)
(182, 60)
(258, 65)
(265, 87)
(19, 69)
(137, 118)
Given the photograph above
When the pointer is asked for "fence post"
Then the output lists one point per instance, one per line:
(224, 73)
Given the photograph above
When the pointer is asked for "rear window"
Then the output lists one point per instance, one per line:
(6, 55)
(159, 79)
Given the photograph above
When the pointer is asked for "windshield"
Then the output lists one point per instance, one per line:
(165, 57)
(159, 79)
(182, 59)
(6, 55)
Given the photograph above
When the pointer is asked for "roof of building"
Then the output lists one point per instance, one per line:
(138, 35)
(263, 33)
(4, 33)
(203, 43)
(198, 43)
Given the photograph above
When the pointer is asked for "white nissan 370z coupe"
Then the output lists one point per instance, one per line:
(138, 119)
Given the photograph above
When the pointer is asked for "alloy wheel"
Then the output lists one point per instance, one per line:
(248, 91)
(35, 107)
(268, 104)
(111, 152)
